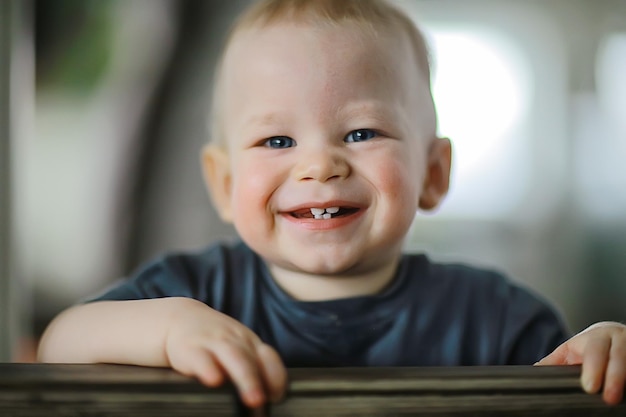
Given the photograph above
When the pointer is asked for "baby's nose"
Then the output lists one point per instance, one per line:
(322, 165)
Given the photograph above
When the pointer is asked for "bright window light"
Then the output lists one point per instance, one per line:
(610, 70)
(600, 169)
(481, 85)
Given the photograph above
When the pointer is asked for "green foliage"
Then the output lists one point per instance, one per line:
(73, 43)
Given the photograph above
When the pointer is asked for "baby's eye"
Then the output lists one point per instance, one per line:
(360, 135)
(279, 142)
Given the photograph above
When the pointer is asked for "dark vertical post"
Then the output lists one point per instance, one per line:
(16, 87)
(6, 325)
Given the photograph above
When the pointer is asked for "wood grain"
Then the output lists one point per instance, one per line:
(36, 390)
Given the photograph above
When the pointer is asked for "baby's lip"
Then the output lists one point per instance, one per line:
(304, 210)
(308, 214)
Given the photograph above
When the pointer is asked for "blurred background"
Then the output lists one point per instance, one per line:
(103, 107)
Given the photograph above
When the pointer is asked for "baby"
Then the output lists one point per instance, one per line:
(324, 148)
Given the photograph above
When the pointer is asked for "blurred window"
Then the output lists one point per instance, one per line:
(600, 168)
(481, 85)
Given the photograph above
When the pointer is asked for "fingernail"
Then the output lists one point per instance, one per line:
(253, 398)
(587, 383)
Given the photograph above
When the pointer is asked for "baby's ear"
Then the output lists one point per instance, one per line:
(437, 180)
(217, 176)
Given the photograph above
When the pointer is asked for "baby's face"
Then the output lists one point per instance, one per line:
(326, 146)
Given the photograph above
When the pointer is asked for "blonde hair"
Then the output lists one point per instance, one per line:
(370, 16)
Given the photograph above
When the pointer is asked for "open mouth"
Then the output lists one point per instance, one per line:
(323, 213)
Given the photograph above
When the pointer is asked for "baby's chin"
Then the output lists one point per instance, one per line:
(325, 282)
(322, 269)
(332, 261)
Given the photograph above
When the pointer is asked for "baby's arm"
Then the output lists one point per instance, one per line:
(601, 349)
(180, 333)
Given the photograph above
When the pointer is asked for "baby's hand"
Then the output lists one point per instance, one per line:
(601, 349)
(206, 344)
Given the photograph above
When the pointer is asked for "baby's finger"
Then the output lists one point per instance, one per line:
(595, 360)
(273, 371)
(240, 363)
(557, 357)
(615, 373)
(208, 371)
(200, 363)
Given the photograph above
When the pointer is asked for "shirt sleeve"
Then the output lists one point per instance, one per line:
(157, 279)
(216, 276)
(532, 328)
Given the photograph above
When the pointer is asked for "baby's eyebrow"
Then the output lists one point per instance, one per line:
(369, 108)
(264, 119)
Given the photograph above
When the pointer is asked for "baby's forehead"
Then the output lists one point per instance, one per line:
(334, 70)
(282, 49)
(354, 38)
(363, 19)
(370, 23)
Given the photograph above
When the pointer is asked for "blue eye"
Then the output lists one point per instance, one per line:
(279, 142)
(360, 135)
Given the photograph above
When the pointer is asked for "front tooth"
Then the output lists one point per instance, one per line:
(332, 210)
(317, 211)
(326, 216)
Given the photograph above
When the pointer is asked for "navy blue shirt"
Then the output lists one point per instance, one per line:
(430, 315)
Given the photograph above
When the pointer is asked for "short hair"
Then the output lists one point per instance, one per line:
(371, 16)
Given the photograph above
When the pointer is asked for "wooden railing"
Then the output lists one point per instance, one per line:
(37, 390)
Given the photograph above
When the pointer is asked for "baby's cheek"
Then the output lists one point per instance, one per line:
(398, 181)
(254, 187)
(251, 180)
(399, 190)
(248, 213)
(246, 195)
